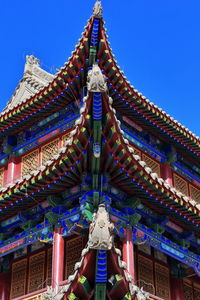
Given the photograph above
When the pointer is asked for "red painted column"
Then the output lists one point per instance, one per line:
(177, 289)
(128, 253)
(167, 173)
(57, 259)
(13, 170)
(4, 286)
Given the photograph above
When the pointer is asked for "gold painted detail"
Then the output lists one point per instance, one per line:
(49, 150)
(30, 162)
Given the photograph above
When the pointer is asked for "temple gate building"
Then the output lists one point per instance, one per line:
(99, 188)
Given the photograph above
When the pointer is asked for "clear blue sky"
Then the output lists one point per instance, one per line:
(156, 43)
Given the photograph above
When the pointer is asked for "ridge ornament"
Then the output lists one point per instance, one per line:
(96, 81)
(100, 232)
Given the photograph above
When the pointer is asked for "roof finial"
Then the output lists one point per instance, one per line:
(97, 10)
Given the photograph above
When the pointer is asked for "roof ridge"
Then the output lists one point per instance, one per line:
(143, 98)
(174, 194)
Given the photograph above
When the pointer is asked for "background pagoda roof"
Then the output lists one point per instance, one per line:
(32, 82)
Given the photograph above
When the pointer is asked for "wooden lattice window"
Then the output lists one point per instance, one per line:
(18, 281)
(65, 138)
(73, 251)
(30, 162)
(197, 293)
(151, 163)
(1, 177)
(162, 282)
(195, 193)
(36, 272)
(49, 150)
(180, 184)
(49, 266)
(188, 291)
(145, 274)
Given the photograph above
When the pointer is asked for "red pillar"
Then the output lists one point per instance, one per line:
(128, 253)
(57, 259)
(177, 289)
(167, 173)
(4, 287)
(13, 171)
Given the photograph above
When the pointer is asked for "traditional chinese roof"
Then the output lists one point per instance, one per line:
(125, 169)
(64, 89)
(33, 81)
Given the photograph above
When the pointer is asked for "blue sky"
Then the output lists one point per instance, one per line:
(156, 43)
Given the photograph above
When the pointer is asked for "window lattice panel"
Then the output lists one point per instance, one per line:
(49, 150)
(18, 282)
(151, 163)
(1, 177)
(162, 282)
(74, 248)
(195, 193)
(197, 293)
(30, 162)
(180, 184)
(188, 292)
(36, 272)
(49, 266)
(145, 274)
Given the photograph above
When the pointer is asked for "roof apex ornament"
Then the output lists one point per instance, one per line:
(97, 10)
(100, 233)
(32, 60)
(96, 81)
